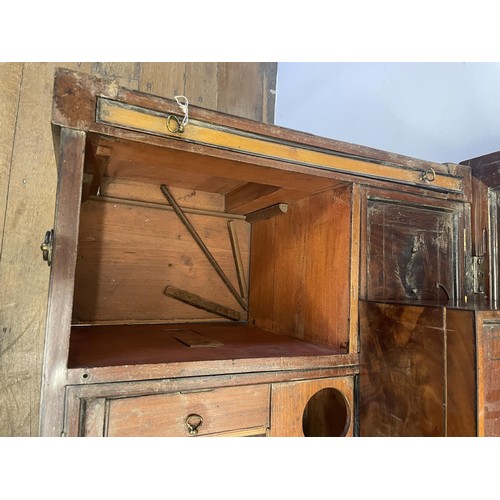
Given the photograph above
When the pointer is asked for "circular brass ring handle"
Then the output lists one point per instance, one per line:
(194, 422)
(428, 175)
(174, 125)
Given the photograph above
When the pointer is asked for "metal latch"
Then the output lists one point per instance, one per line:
(478, 273)
(46, 246)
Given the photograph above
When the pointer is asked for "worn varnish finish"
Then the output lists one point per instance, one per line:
(402, 370)
(70, 163)
(168, 414)
(414, 248)
(418, 367)
(28, 190)
(488, 342)
(461, 396)
(485, 220)
(349, 221)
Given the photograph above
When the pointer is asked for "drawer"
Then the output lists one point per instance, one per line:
(216, 411)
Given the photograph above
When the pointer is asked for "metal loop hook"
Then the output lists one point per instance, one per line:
(194, 422)
(174, 125)
(428, 175)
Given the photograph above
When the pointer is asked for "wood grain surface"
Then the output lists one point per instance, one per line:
(28, 186)
(299, 265)
(402, 370)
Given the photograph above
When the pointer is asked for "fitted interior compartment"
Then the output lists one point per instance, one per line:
(281, 239)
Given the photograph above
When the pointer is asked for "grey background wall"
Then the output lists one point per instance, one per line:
(443, 112)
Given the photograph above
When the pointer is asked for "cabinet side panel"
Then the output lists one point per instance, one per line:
(461, 380)
(70, 165)
(488, 343)
(301, 264)
(402, 370)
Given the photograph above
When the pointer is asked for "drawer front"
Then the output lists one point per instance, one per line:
(188, 414)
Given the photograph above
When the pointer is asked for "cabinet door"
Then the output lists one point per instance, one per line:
(414, 248)
(402, 370)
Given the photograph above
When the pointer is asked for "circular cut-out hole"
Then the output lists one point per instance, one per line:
(327, 414)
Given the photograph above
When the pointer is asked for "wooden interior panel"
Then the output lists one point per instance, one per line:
(151, 193)
(223, 409)
(410, 249)
(402, 370)
(298, 261)
(127, 255)
(115, 345)
(148, 163)
(460, 373)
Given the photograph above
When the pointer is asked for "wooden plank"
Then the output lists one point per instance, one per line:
(141, 191)
(238, 261)
(191, 338)
(245, 78)
(195, 300)
(249, 192)
(70, 167)
(10, 88)
(24, 276)
(162, 79)
(267, 213)
(201, 85)
(460, 374)
(278, 197)
(127, 74)
(355, 269)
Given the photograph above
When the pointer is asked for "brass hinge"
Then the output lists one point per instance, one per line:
(478, 273)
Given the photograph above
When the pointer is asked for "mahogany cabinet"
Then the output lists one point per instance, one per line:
(206, 276)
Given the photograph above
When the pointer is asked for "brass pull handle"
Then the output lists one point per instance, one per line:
(428, 175)
(194, 422)
(174, 125)
(46, 247)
